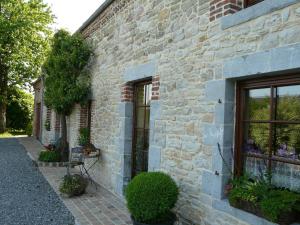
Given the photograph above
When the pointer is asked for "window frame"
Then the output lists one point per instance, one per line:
(249, 3)
(241, 87)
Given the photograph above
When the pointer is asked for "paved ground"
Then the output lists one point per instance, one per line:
(95, 207)
(26, 198)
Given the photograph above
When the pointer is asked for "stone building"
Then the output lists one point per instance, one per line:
(174, 88)
(46, 123)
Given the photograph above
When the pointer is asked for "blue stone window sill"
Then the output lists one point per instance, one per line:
(224, 206)
(260, 9)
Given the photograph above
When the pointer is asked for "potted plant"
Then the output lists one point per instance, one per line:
(49, 156)
(73, 185)
(83, 138)
(264, 200)
(150, 199)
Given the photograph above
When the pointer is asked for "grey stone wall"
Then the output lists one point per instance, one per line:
(198, 63)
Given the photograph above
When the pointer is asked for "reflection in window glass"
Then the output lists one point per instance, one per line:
(256, 138)
(140, 115)
(288, 103)
(287, 140)
(258, 104)
(140, 98)
(148, 90)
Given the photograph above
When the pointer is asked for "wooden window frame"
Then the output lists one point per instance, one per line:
(249, 3)
(134, 128)
(271, 82)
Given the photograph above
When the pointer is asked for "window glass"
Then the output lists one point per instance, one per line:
(287, 140)
(288, 103)
(140, 95)
(258, 104)
(256, 138)
(140, 116)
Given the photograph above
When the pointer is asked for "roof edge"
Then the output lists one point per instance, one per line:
(94, 15)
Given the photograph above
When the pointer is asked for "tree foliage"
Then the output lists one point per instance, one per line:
(19, 109)
(24, 41)
(66, 78)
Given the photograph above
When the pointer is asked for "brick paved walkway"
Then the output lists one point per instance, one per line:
(95, 207)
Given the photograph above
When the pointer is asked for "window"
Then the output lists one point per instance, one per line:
(142, 98)
(249, 3)
(268, 129)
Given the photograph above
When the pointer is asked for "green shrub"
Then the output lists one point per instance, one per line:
(73, 185)
(50, 156)
(151, 196)
(83, 138)
(28, 129)
(248, 190)
(47, 125)
(278, 202)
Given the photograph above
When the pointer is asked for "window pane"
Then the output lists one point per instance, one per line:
(140, 115)
(256, 167)
(286, 175)
(148, 94)
(256, 138)
(258, 104)
(288, 103)
(287, 140)
(139, 151)
(147, 121)
(140, 95)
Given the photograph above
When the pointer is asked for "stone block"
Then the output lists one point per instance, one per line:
(139, 72)
(281, 59)
(224, 113)
(126, 109)
(154, 158)
(260, 9)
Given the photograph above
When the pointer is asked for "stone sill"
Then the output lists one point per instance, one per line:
(223, 205)
(260, 9)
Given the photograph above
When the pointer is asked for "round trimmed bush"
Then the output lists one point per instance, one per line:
(151, 196)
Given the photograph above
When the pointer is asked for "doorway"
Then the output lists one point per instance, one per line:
(141, 128)
(38, 121)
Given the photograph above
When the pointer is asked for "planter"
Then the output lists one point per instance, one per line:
(249, 207)
(286, 218)
(171, 221)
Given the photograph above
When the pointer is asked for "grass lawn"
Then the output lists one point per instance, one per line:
(12, 133)
(5, 135)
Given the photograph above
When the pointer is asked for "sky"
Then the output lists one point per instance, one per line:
(71, 14)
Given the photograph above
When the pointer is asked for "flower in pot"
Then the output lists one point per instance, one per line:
(83, 138)
(150, 198)
(73, 185)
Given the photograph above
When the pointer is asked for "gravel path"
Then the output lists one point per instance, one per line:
(26, 198)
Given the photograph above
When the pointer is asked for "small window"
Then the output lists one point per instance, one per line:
(268, 129)
(249, 3)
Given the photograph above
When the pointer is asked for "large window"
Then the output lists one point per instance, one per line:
(268, 129)
(249, 3)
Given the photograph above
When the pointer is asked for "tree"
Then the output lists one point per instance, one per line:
(24, 34)
(19, 109)
(67, 79)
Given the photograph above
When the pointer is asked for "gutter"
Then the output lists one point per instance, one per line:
(94, 15)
